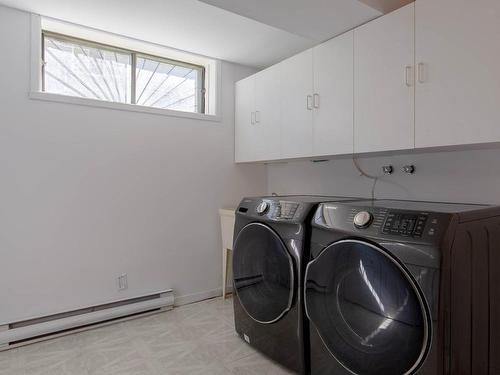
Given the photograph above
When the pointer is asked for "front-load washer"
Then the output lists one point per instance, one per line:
(269, 256)
(400, 287)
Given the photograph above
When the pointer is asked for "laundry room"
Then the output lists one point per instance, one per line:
(230, 187)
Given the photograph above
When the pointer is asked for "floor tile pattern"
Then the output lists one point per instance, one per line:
(197, 339)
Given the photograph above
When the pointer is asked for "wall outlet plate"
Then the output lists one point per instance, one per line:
(122, 282)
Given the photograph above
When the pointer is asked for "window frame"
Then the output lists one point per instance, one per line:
(201, 94)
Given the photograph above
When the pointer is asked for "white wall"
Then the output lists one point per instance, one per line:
(460, 176)
(89, 193)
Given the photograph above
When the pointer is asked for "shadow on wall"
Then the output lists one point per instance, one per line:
(386, 6)
(458, 176)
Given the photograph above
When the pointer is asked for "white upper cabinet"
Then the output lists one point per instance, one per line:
(426, 75)
(245, 135)
(267, 114)
(296, 105)
(384, 83)
(333, 96)
(458, 58)
(257, 117)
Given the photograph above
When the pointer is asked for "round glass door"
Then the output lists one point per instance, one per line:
(262, 273)
(367, 309)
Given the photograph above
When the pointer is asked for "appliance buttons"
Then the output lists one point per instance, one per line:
(363, 219)
(262, 208)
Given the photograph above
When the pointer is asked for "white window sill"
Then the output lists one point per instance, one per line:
(45, 96)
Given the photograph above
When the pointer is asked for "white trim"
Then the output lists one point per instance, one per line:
(179, 301)
(213, 85)
(4, 328)
(83, 329)
(49, 97)
(100, 303)
(213, 69)
(36, 53)
(120, 41)
(197, 297)
(44, 328)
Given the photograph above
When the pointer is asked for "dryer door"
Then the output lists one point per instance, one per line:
(263, 274)
(367, 309)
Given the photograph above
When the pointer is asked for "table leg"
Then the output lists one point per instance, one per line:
(224, 272)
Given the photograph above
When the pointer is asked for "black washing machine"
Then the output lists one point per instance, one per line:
(269, 256)
(399, 287)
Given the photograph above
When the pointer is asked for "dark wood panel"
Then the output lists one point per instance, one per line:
(480, 296)
(461, 309)
(494, 297)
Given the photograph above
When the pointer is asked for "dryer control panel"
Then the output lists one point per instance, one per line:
(382, 222)
(405, 224)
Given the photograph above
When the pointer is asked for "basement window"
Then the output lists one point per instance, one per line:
(86, 69)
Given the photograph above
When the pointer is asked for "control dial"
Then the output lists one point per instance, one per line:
(262, 208)
(363, 219)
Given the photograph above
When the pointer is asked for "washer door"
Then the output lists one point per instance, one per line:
(367, 309)
(262, 273)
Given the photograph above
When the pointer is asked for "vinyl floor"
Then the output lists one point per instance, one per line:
(196, 339)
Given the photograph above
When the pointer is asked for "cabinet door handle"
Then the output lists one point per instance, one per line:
(252, 118)
(408, 78)
(257, 117)
(420, 72)
(316, 101)
(309, 102)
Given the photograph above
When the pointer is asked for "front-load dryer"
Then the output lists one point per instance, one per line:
(399, 287)
(269, 256)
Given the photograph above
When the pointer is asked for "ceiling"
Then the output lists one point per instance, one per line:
(386, 6)
(256, 33)
(316, 20)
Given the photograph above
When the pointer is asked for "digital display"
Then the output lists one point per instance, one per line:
(285, 210)
(404, 224)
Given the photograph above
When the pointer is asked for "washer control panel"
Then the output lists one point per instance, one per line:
(283, 210)
(262, 208)
(363, 219)
(276, 209)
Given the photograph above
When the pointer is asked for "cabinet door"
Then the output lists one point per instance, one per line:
(333, 96)
(458, 56)
(245, 134)
(267, 115)
(296, 106)
(384, 84)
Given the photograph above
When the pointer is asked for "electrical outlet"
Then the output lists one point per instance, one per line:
(122, 282)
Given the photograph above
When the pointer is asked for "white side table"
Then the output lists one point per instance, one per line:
(227, 228)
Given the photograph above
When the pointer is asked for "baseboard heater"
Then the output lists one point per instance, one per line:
(44, 328)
